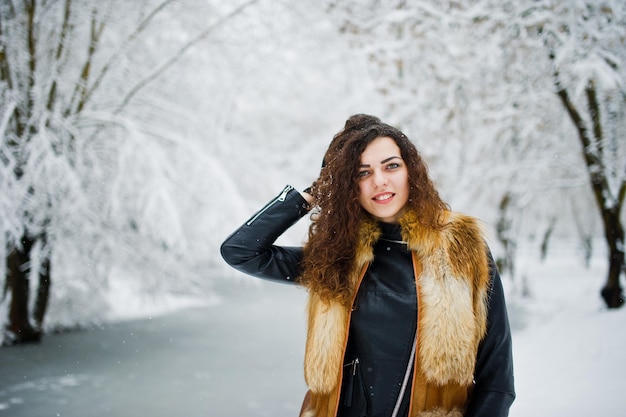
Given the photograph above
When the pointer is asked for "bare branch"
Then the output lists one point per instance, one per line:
(93, 42)
(5, 73)
(594, 112)
(59, 52)
(142, 26)
(24, 125)
(6, 117)
(169, 63)
(595, 166)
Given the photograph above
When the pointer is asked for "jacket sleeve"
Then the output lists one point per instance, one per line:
(250, 248)
(494, 390)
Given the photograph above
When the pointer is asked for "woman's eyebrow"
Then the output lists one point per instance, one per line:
(382, 162)
(389, 159)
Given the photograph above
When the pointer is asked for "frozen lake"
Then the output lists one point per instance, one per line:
(242, 357)
(239, 358)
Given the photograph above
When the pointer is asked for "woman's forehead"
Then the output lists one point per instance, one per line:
(380, 150)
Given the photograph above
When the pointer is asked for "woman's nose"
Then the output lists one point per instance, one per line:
(380, 179)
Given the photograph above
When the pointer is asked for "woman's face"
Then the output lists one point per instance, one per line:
(383, 180)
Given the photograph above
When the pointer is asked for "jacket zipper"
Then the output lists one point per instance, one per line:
(280, 198)
(345, 343)
(416, 274)
(347, 401)
(405, 381)
(414, 348)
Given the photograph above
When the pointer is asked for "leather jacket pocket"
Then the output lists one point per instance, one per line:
(354, 401)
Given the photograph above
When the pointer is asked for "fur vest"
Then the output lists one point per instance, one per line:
(452, 278)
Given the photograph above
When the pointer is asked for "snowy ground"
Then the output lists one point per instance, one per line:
(243, 356)
(570, 357)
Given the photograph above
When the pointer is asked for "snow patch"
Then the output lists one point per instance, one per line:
(129, 303)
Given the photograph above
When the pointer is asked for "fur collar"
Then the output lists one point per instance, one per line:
(452, 291)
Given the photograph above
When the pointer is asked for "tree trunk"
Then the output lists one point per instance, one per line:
(614, 232)
(609, 201)
(505, 235)
(17, 279)
(43, 292)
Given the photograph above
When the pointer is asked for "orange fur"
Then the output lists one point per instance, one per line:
(453, 289)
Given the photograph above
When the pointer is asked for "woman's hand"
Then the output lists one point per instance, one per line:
(306, 194)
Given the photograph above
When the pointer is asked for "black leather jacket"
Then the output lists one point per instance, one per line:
(250, 249)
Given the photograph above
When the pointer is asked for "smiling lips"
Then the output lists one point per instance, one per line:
(383, 198)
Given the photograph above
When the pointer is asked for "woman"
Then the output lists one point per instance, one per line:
(406, 312)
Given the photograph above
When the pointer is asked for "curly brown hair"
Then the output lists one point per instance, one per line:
(333, 235)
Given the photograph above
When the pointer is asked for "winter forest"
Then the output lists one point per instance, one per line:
(135, 136)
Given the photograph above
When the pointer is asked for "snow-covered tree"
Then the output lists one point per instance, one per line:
(473, 83)
(586, 44)
(92, 150)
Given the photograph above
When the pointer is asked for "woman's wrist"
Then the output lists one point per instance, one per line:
(306, 194)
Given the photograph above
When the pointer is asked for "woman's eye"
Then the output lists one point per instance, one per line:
(363, 173)
(393, 165)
